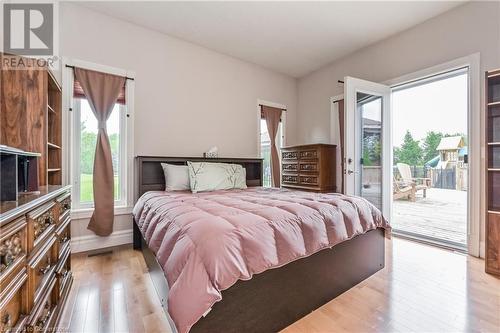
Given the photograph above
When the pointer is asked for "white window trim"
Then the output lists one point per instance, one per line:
(475, 201)
(124, 206)
(283, 121)
(261, 102)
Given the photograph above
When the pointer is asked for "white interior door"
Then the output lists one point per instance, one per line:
(368, 142)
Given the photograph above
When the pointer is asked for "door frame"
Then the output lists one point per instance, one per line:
(476, 206)
(475, 122)
(352, 185)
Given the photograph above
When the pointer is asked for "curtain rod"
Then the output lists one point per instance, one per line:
(126, 77)
(284, 110)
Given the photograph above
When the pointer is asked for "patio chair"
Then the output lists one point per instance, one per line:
(403, 190)
(420, 184)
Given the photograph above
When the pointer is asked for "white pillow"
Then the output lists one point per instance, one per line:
(176, 177)
(207, 176)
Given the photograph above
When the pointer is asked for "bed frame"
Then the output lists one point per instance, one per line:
(276, 298)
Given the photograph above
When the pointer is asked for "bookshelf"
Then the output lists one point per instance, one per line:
(492, 88)
(54, 131)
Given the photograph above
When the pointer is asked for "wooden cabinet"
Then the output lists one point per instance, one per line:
(31, 116)
(493, 172)
(309, 167)
(35, 261)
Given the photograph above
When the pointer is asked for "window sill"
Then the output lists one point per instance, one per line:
(85, 213)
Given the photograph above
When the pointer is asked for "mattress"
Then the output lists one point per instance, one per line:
(206, 242)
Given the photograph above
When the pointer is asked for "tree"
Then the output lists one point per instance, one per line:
(410, 151)
(431, 142)
(87, 150)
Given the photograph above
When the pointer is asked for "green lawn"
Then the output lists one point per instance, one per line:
(86, 194)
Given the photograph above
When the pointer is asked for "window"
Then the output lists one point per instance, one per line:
(265, 148)
(85, 142)
(83, 137)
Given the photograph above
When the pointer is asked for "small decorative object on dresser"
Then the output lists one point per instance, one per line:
(309, 167)
(35, 260)
(493, 172)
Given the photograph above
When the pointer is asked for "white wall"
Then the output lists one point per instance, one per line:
(470, 28)
(187, 98)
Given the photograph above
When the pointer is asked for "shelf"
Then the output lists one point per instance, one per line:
(53, 145)
(51, 109)
(493, 143)
(494, 103)
(54, 170)
(494, 169)
(491, 211)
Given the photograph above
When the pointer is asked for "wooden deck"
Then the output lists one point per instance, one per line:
(442, 215)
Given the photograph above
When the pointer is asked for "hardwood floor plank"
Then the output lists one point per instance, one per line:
(421, 289)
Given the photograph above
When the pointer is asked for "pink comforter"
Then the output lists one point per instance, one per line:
(206, 242)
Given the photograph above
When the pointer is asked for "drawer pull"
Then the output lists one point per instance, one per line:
(289, 167)
(45, 269)
(63, 239)
(66, 206)
(308, 167)
(7, 322)
(62, 275)
(43, 223)
(10, 250)
(288, 155)
(40, 323)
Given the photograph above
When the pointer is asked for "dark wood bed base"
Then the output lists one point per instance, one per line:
(278, 297)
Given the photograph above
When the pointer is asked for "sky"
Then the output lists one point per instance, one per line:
(439, 106)
(113, 123)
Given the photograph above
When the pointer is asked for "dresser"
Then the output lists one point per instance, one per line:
(309, 167)
(35, 259)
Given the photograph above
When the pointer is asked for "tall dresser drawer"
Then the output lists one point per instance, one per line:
(13, 311)
(64, 205)
(41, 224)
(308, 167)
(44, 311)
(290, 155)
(289, 167)
(308, 154)
(291, 179)
(63, 271)
(308, 180)
(41, 268)
(35, 260)
(12, 248)
(63, 234)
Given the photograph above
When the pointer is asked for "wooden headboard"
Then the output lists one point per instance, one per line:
(150, 175)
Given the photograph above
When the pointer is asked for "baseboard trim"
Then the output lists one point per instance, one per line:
(93, 242)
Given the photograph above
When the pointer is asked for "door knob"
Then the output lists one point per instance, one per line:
(350, 172)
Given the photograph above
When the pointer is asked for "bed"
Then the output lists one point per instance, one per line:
(264, 295)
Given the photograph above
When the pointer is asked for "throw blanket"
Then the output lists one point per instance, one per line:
(206, 242)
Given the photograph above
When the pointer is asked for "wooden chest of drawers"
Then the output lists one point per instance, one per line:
(35, 266)
(309, 167)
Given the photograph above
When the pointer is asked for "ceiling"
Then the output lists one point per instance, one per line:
(293, 38)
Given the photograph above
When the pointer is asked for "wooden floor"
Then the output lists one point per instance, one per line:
(422, 289)
(441, 215)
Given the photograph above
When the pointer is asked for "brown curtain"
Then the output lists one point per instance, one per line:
(341, 127)
(273, 118)
(78, 92)
(101, 91)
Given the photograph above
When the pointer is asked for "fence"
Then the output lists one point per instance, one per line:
(440, 178)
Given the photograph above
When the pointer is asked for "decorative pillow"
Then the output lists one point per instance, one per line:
(207, 176)
(176, 177)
